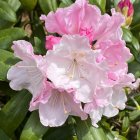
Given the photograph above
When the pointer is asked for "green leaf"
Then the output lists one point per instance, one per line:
(15, 4)
(48, 5)
(6, 60)
(13, 113)
(100, 3)
(67, 2)
(136, 17)
(135, 43)
(29, 4)
(85, 131)
(6, 90)
(138, 134)
(7, 15)
(7, 36)
(3, 136)
(6, 12)
(33, 129)
(125, 126)
(127, 35)
(134, 67)
(134, 115)
(60, 133)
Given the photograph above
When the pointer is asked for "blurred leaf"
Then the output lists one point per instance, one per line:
(29, 4)
(127, 35)
(48, 5)
(134, 115)
(3, 136)
(7, 36)
(100, 3)
(33, 129)
(136, 17)
(125, 126)
(6, 60)
(138, 134)
(85, 131)
(13, 113)
(15, 4)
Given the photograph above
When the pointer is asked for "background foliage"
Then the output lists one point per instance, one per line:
(19, 19)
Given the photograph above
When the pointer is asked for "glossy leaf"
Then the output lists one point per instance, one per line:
(6, 60)
(33, 129)
(7, 36)
(13, 113)
(29, 4)
(85, 131)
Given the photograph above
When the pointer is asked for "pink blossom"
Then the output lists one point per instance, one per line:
(55, 105)
(28, 73)
(84, 19)
(88, 65)
(126, 4)
(51, 40)
(72, 64)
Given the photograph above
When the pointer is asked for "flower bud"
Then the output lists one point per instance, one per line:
(126, 8)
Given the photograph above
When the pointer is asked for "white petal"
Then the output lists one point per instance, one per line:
(22, 49)
(110, 111)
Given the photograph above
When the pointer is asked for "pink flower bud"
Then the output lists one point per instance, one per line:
(126, 8)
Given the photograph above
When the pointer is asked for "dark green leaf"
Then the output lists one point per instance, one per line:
(59, 133)
(3, 136)
(138, 134)
(6, 90)
(29, 4)
(33, 129)
(136, 17)
(39, 46)
(6, 60)
(13, 113)
(85, 131)
(7, 36)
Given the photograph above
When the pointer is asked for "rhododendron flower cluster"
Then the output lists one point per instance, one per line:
(84, 71)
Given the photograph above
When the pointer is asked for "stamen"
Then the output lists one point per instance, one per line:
(63, 103)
